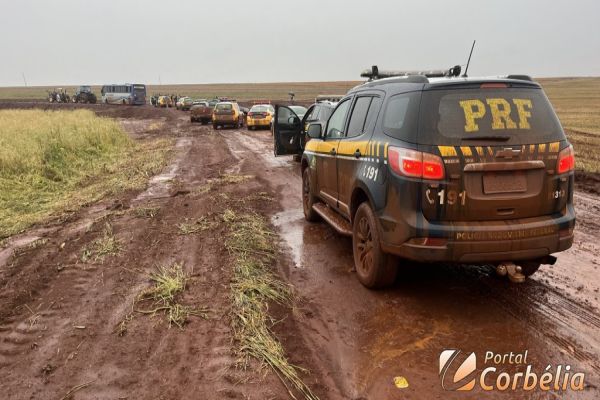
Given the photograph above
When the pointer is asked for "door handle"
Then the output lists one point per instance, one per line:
(332, 152)
(357, 154)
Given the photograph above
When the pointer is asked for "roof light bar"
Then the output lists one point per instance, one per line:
(374, 73)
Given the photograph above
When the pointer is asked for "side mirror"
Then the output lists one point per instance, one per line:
(314, 131)
(293, 120)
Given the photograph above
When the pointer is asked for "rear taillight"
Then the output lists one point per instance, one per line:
(416, 164)
(566, 160)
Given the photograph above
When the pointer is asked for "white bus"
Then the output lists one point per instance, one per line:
(128, 93)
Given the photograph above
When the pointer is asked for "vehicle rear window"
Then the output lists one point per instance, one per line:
(524, 115)
(259, 109)
(400, 118)
(222, 107)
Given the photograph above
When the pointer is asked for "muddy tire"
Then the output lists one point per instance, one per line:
(308, 199)
(374, 268)
(528, 268)
(215, 127)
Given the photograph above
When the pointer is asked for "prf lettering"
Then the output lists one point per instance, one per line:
(501, 113)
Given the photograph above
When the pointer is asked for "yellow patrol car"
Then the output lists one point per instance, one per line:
(260, 116)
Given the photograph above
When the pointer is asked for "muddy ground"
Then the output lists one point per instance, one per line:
(70, 325)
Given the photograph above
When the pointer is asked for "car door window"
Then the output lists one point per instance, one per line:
(283, 115)
(335, 127)
(373, 113)
(356, 126)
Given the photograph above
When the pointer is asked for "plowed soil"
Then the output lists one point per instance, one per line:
(70, 327)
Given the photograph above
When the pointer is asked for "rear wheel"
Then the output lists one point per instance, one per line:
(215, 126)
(374, 268)
(308, 199)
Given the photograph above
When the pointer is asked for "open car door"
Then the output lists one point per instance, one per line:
(287, 131)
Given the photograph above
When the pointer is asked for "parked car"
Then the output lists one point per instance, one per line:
(227, 113)
(201, 112)
(184, 103)
(440, 169)
(165, 102)
(260, 116)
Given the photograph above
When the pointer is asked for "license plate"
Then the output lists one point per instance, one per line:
(502, 182)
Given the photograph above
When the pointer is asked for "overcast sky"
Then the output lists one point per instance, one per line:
(192, 41)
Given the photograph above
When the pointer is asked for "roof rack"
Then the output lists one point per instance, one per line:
(374, 73)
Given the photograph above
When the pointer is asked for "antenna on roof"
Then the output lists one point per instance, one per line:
(469, 61)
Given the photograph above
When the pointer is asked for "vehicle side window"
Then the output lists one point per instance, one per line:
(400, 118)
(356, 126)
(310, 114)
(373, 112)
(316, 113)
(335, 126)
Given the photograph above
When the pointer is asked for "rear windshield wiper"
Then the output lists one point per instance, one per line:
(499, 138)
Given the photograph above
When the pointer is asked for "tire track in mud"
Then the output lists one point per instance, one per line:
(44, 347)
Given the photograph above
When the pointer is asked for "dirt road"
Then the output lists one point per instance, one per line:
(69, 325)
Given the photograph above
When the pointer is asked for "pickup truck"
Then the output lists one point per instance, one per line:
(201, 112)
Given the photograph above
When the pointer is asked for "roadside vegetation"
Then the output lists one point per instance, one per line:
(253, 287)
(52, 162)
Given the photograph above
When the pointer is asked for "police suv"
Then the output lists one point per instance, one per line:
(437, 167)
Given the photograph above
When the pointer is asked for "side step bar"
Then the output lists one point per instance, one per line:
(337, 222)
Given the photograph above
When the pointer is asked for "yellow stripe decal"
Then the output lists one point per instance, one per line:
(447, 151)
(542, 148)
(385, 151)
(466, 150)
(554, 146)
(479, 150)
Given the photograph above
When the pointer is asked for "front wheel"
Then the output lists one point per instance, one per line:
(374, 268)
